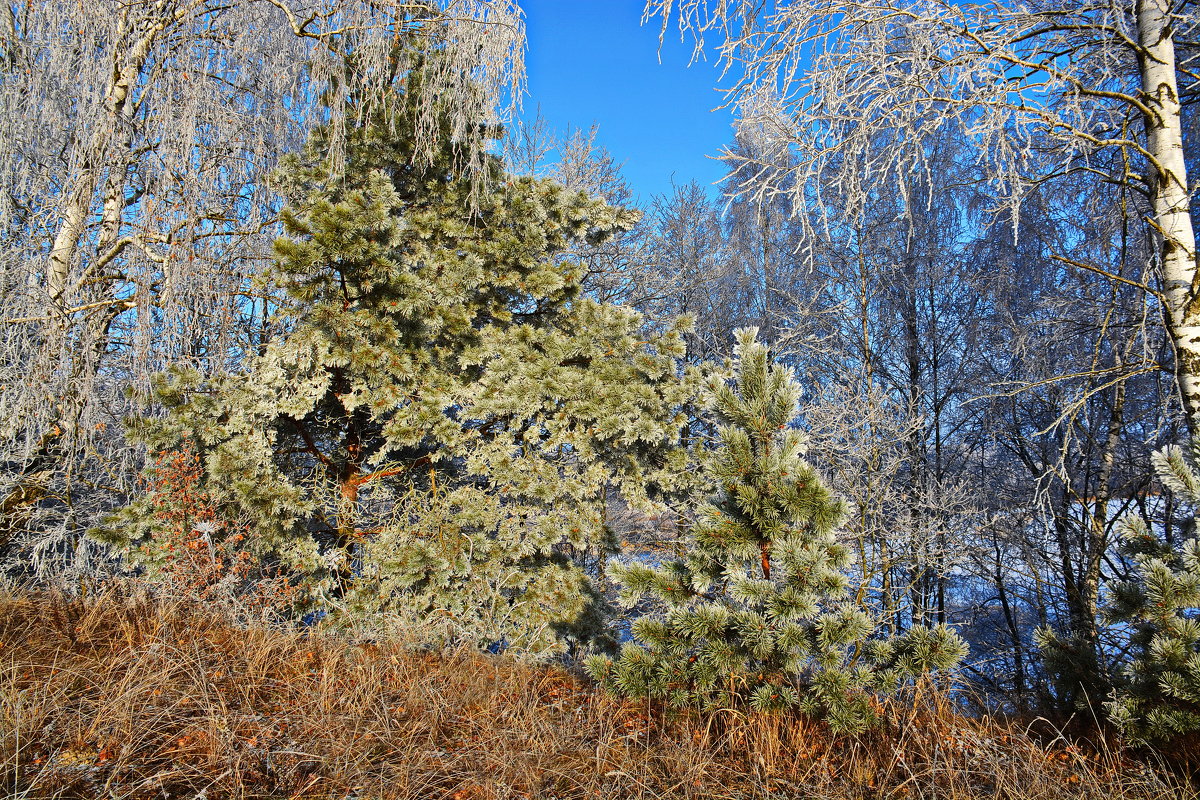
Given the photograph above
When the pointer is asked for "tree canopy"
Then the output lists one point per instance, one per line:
(438, 428)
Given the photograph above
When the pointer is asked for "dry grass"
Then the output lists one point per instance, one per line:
(125, 698)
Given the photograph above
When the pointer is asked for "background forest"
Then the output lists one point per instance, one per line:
(297, 318)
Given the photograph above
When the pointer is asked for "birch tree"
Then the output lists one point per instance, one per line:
(689, 242)
(136, 144)
(1043, 90)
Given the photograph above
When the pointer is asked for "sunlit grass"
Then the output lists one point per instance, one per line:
(127, 698)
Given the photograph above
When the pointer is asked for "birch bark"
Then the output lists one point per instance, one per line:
(1172, 218)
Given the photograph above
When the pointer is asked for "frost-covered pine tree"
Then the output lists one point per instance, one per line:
(1158, 696)
(758, 611)
(433, 439)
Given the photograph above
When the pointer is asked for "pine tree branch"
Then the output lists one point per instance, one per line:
(310, 446)
(364, 478)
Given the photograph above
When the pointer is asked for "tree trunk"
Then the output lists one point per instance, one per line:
(1169, 196)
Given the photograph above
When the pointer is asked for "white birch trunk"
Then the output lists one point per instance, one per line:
(109, 149)
(1172, 213)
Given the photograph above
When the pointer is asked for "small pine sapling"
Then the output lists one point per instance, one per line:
(1158, 696)
(758, 611)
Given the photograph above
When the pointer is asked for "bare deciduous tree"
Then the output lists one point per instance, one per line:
(1043, 90)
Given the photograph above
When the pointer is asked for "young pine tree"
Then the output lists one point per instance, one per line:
(434, 438)
(758, 611)
(1158, 696)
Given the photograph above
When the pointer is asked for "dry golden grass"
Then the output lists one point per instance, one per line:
(125, 698)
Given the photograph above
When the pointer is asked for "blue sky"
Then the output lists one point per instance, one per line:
(591, 61)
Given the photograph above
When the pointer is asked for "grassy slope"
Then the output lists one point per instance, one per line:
(125, 698)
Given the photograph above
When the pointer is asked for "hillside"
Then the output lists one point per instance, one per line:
(121, 697)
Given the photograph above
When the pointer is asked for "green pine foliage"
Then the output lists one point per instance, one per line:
(758, 612)
(1159, 695)
(433, 441)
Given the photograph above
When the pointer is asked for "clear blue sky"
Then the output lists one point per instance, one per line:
(590, 61)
